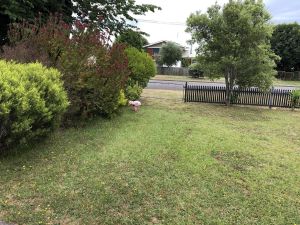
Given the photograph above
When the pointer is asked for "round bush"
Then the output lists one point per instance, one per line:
(32, 101)
(195, 70)
(141, 66)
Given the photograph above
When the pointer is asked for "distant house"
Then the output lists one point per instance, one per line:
(154, 49)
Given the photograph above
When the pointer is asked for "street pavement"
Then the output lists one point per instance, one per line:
(178, 85)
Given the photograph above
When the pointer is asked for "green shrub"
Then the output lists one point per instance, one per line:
(122, 98)
(141, 66)
(186, 62)
(195, 70)
(295, 94)
(32, 101)
(133, 92)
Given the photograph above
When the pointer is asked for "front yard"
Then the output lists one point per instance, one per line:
(170, 163)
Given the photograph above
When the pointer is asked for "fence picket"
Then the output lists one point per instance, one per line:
(243, 96)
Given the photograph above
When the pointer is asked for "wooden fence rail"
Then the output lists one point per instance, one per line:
(240, 96)
(177, 71)
(282, 75)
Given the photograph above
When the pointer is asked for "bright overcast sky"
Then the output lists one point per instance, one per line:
(169, 23)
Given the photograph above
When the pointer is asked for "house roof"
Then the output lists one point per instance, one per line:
(155, 43)
(160, 42)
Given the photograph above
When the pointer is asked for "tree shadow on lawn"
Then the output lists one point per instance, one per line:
(238, 113)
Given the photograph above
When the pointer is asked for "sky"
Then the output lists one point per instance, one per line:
(169, 23)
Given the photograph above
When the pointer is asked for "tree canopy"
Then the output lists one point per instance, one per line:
(132, 38)
(170, 53)
(16, 11)
(286, 44)
(234, 42)
(109, 15)
(112, 15)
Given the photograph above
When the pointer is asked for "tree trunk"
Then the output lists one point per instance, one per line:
(227, 100)
(231, 84)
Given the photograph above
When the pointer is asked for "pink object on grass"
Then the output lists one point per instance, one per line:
(135, 105)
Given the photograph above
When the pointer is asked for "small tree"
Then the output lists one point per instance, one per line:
(286, 43)
(133, 39)
(170, 54)
(234, 42)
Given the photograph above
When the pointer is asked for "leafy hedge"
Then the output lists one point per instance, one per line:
(94, 73)
(142, 68)
(32, 102)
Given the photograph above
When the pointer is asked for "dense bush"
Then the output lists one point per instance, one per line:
(31, 42)
(186, 62)
(32, 102)
(94, 73)
(295, 98)
(142, 68)
(133, 92)
(195, 70)
(122, 101)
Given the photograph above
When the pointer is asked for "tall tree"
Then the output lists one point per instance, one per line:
(16, 11)
(286, 43)
(234, 42)
(132, 38)
(109, 15)
(170, 54)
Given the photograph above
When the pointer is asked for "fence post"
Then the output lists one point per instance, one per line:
(184, 91)
(271, 98)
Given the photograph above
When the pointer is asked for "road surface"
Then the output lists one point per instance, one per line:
(178, 85)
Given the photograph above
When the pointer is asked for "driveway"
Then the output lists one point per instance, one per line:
(178, 85)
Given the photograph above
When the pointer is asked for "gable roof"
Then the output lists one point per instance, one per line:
(155, 43)
(161, 42)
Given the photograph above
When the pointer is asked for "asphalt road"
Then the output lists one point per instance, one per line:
(178, 85)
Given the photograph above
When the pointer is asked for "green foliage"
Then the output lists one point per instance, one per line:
(195, 70)
(295, 94)
(170, 54)
(15, 11)
(133, 39)
(285, 43)
(32, 101)
(111, 16)
(142, 68)
(122, 101)
(186, 62)
(234, 42)
(133, 92)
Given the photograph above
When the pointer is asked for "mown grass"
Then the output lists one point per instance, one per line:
(170, 163)
(276, 82)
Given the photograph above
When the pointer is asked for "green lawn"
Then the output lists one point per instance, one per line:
(276, 82)
(170, 163)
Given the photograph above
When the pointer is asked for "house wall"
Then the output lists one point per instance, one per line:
(150, 51)
(153, 51)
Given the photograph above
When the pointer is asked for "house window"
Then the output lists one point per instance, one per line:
(155, 51)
